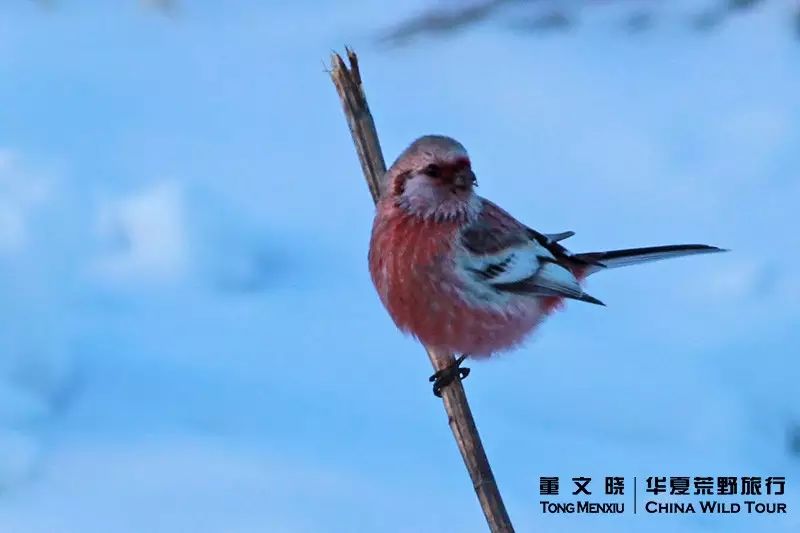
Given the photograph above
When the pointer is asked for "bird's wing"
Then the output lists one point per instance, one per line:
(556, 237)
(507, 256)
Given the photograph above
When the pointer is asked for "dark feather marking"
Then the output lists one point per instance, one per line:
(555, 237)
(563, 256)
(633, 252)
(529, 286)
(493, 270)
(616, 258)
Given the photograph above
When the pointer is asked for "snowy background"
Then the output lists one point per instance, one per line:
(189, 340)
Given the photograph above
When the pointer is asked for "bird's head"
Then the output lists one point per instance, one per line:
(432, 177)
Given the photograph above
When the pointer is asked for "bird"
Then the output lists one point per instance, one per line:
(464, 276)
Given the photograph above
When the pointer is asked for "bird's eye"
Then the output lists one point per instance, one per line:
(433, 171)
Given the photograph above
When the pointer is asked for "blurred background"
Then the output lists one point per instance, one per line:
(189, 340)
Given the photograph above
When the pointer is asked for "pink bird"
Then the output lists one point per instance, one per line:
(462, 275)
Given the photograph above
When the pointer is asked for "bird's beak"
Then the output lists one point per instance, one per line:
(464, 179)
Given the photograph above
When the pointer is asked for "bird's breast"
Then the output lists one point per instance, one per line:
(413, 266)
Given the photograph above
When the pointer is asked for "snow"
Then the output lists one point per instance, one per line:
(145, 234)
(189, 340)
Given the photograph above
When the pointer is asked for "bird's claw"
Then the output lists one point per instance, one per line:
(446, 376)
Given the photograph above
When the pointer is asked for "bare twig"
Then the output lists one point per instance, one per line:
(362, 128)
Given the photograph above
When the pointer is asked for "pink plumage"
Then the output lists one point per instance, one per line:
(461, 274)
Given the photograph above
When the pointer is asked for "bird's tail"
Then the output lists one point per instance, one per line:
(597, 261)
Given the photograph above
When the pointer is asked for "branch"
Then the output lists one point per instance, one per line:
(365, 137)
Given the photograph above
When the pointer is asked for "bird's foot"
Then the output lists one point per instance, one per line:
(446, 376)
